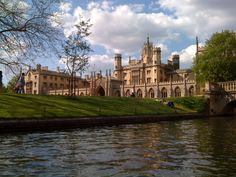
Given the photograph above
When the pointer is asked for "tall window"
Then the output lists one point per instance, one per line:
(139, 93)
(151, 93)
(191, 91)
(163, 92)
(177, 92)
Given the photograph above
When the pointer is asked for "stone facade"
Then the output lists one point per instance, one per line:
(147, 77)
(42, 81)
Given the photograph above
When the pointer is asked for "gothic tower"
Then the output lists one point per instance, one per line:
(118, 66)
(147, 52)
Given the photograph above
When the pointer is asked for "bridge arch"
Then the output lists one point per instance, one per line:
(230, 108)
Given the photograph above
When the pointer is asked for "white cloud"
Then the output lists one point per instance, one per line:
(124, 28)
(65, 6)
(187, 55)
(100, 62)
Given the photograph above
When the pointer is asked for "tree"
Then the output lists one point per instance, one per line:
(11, 85)
(27, 28)
(76, 52)
(217, 62)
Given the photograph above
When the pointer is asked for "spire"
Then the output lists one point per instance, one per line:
(148, 39)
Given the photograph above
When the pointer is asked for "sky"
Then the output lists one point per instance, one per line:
(122, 26)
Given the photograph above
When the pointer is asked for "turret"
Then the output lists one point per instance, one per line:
(156, 56)
(175, 59)
(38, 67)
(118, 66)
(118, 61)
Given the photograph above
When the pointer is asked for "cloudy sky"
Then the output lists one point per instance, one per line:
(123, 26)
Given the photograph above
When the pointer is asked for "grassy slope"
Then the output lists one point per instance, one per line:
(18, 106)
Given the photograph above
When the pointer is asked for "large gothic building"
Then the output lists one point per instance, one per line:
(146, 77)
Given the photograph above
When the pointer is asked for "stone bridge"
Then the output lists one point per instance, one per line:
(222, 97)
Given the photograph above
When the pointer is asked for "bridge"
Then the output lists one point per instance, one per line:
(222, 97)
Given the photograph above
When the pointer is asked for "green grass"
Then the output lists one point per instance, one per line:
(37, 106)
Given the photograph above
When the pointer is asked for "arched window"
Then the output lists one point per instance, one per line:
(163, 92)
(100, 91)
(191, 91)
(139, 93)
(177, 92)
(127, 93)
(151, 93)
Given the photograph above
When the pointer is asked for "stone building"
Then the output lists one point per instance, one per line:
(146, 77)
(41, 81)
(149, 77)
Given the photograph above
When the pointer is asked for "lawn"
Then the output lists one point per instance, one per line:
(50, 106)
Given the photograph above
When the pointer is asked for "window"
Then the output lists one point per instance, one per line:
(35, 77)
(51, 77)
(177, 92)
(55, 78)
(148, 80)
(191, 91)
(155, 71)
(35, 92)
(51, 86)
(45, 77)
(163, 93)
(148, 72)
(35, 84)
(45, 84)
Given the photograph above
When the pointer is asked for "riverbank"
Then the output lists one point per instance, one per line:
(18, 106)
(86, 122)
(36, 113)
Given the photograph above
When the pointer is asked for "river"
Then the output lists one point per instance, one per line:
(181, 148)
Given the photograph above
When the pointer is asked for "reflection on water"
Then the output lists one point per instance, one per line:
(183, 148)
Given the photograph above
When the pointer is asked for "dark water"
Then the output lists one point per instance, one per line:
(183, 148)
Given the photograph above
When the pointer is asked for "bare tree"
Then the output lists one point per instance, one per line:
(76, 52)
(28, 28)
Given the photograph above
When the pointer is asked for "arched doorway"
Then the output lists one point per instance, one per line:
(163, 92)
(127, 93)
(117, 93)
(177, 92)
(100, 91)
(81, 94)
(151, 93)
(139, 93)
(191, 91)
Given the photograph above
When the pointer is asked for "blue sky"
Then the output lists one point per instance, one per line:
(122, 26)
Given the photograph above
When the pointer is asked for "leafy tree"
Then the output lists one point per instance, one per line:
(11, 85)
(217, 62)
(76, 52)
(27, 28)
